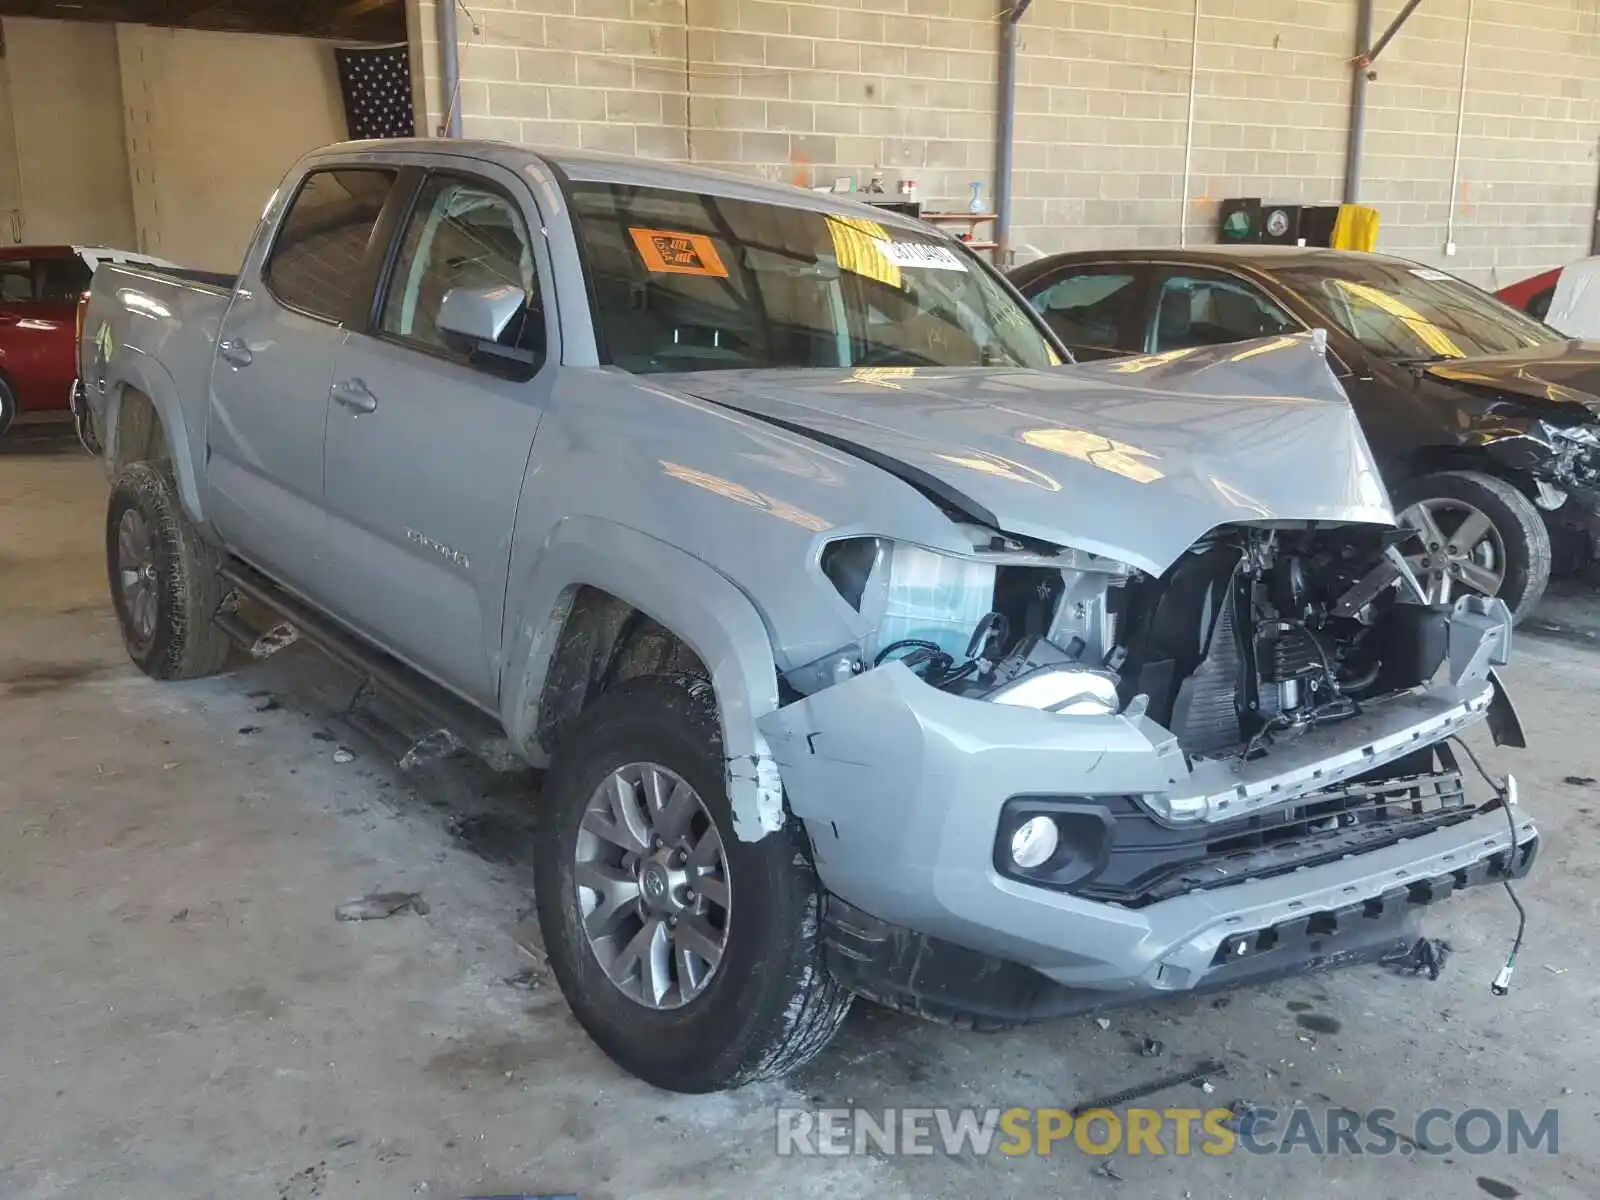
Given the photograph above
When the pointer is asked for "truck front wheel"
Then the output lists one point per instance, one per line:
(690, 957)
(164, 581)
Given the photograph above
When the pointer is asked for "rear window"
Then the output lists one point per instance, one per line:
(316, 260)
(1090, 310)
(688, 282)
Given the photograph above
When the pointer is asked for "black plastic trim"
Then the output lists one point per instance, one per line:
(1143, 860)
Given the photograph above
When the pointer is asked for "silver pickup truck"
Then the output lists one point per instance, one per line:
(871, 649)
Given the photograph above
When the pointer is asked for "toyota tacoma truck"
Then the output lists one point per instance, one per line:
(872, 647)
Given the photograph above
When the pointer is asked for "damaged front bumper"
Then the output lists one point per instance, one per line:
(905, 791)
(1563, 465)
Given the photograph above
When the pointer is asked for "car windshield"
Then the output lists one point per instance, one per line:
(1410, 314)
(687, 282)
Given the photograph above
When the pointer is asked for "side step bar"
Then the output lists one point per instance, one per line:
(478, 731)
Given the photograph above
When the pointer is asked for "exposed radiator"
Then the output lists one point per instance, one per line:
(1205, 714)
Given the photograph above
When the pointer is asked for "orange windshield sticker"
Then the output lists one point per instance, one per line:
(667, 252)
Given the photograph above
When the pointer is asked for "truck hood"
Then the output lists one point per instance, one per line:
(1135, 459)
(1563, 378)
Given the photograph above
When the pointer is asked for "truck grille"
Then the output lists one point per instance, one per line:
(1151, 862)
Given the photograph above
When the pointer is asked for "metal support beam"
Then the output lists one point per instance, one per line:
(1371, 56)
(449, 67)
(1358, 104)
(1005, 129)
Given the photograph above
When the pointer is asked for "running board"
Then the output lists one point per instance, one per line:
(477, 731)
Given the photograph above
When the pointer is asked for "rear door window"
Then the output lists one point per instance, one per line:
(50, 279)
(316, 262)
(16, 281)
(1095, 310)
(1202, 309)
(61, 280)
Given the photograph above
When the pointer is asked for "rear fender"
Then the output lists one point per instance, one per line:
(132, 370)
(696, 603)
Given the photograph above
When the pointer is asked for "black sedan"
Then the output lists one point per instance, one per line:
(1486, 422)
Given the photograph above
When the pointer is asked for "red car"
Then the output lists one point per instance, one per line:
(40, 287)
(1531, 295)
(1567, 299)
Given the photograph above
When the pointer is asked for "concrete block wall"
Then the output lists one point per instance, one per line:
(1525, 195)
(808, 90)
(801, 92)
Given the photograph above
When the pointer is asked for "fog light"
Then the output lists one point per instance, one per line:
(1034, 842)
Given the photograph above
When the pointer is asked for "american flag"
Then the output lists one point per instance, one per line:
(376, 82)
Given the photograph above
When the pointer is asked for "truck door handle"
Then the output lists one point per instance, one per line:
(354, 395)
(235, 352)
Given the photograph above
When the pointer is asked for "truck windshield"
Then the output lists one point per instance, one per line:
(1410, 314)
(687, 282)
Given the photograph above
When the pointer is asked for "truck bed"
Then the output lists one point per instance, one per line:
(161, 325)
(215, 279)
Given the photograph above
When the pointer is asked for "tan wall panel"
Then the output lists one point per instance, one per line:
(66, 116)
(213, 122)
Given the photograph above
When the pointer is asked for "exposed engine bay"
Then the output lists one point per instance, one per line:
(1257, 634)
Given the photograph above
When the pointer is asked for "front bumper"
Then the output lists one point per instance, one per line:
(1248, 934)
(902, 786)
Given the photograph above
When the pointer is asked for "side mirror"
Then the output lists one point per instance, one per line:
(480, 314)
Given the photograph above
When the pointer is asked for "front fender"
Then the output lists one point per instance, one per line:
(699, 605)
(130, 368)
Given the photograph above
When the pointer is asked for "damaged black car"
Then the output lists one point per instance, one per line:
(1485, 421)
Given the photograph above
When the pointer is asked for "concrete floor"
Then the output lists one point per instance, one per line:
(183, 1017)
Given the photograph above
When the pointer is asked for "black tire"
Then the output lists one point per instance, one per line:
(770, 1006)
(8, 405)
(1520, 526)
(185, 641)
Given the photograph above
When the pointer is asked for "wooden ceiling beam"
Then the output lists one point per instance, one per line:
(352, 20)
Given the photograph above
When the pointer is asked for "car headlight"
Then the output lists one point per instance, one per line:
(914, 597)
(1071, 690)
(909, 594)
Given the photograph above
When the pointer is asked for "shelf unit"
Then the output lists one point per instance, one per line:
(970, 219)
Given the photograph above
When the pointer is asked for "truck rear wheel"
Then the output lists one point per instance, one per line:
(690, 957)
(1478, 534)
(164, 581)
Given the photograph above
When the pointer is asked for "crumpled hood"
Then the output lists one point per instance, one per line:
(1565, 375)
(1135, 459)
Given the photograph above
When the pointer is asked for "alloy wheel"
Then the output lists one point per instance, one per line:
(1461, 548)
(652, 883)
(136, 575)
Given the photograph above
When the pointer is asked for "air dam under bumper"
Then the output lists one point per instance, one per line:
(901, 787)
